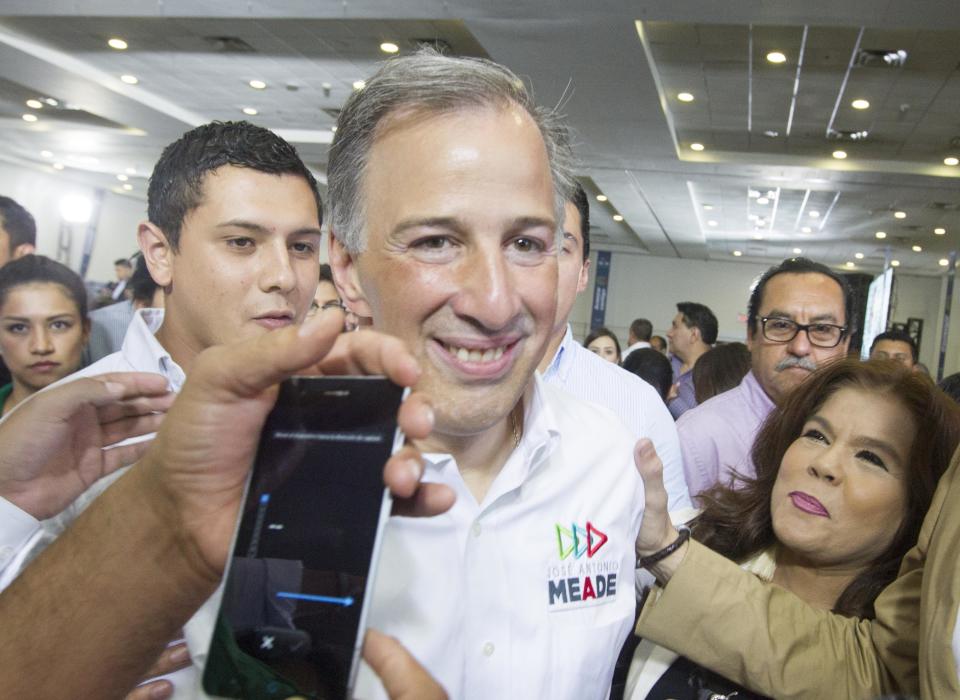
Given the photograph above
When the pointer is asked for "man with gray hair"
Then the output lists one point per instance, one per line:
(447, 187)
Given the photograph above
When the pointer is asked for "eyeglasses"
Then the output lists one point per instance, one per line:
(783, 330)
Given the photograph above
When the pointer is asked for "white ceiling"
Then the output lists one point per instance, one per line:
(617, 68)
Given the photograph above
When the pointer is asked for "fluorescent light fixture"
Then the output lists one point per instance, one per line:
(939, 231)
(881, 234)
(117, 43)
(839, 155)
(858, 256)
(696, 146)
(250, 111)
(601, 198)
(916, 249)
(708, 207)
(951, 160)
(899, 215)
(30, 118)
(685, 96)
(776, 57)
(617, 217)
(860, 104)
(129, 79)
(34, 104)
(257, 84)
(76, 209)
(389, 47)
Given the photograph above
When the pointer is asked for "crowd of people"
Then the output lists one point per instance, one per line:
(785, 505)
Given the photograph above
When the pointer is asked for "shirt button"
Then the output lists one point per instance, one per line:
(488, 649)
(476, 529)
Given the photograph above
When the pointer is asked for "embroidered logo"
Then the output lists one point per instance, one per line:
(578, 541)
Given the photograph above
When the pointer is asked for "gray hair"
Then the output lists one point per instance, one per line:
(430, 82)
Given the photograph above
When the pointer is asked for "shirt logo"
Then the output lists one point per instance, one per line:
(581, 541)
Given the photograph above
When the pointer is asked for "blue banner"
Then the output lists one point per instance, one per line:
(601, 280)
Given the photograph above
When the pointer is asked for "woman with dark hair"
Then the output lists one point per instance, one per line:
(720, 369)
(846, 470)
(43, 325)
(603, 342)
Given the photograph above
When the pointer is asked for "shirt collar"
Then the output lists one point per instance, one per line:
(562, 360)
(142, 349)
(755, 396)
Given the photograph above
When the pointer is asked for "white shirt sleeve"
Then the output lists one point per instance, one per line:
(660, 427)
(18, 529)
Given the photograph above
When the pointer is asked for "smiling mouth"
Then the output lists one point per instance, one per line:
(476, 356)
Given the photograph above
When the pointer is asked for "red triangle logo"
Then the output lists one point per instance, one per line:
(595, 539)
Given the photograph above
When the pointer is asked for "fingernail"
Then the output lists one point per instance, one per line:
(180, 654)
(161, 690)
(415, 469)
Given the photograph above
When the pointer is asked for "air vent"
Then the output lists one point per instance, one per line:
(880, 58)
(840, 135)
(229, 44)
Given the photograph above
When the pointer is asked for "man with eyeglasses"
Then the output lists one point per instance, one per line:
(798, 318)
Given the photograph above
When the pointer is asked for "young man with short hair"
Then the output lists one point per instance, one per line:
(692, 333)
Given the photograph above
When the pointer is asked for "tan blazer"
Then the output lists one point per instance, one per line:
(767, 639)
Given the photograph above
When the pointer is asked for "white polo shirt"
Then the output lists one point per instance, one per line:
(529, 594)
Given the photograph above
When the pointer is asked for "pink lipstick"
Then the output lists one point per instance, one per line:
(808, 504)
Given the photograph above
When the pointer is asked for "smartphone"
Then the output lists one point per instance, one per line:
(303, 562)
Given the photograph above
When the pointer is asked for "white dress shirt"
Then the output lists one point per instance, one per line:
(636, 346)
(497, 599)
(638, 405)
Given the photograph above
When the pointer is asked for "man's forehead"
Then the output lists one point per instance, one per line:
(810, 291)
(891, 346)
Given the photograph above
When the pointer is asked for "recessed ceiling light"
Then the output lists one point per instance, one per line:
(951, 160)
(839, 155)
(389, 47)
(881, 234)
(814, 214)
(899, 215)
(50, 101)
(916, 249)
(696, 146)
(617, 217)
(250, 111)
(359, 84)
(131, 171)
(34, 104)
(943, 262)
(129, 79)
(122, 178)
(601, 198)
(797, 251)
(708, 207)
(737, 253)
(712, 223)
(776, 57)
(58, 166)
(763, 200)
(939, 231)
(30, 118)
(860, 104)
(758, 236)
(117, 43)
(46, 154)
(858, 256)
(685, 97)
(807, 229)
(753, 194)
(257, 84)
(850, 264)
(894, 263)
(127, 186)
(771, 134)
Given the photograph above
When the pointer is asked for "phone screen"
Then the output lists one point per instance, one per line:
(293, 605)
